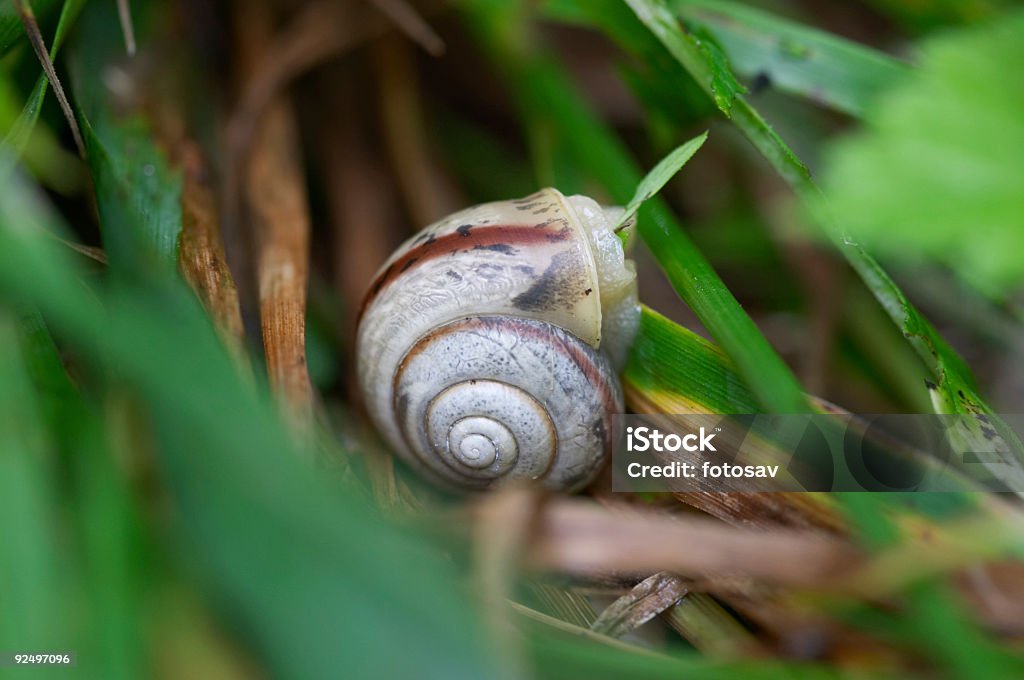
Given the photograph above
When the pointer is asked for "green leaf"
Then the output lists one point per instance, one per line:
(939, 161)
(138, 193)
(927, 15)
(56, 394)
(797, 59)
(106, 578)
(682, 372)
(701, 57)
(945, 632)
(659, 176)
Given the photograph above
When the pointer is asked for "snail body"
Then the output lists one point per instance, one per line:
(489, 343)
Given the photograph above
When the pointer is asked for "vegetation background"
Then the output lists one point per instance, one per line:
(195, 196)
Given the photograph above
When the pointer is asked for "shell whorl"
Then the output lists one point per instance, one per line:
(478, 343)
(487, 399)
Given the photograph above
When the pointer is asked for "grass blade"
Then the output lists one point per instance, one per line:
(19, 133)
(682, 372)
(31, 590)
(797, 59)
(124, 15)
(659, 176)
(138, 193)
(46, 61)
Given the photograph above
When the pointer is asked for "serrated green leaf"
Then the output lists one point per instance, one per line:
(939, 161)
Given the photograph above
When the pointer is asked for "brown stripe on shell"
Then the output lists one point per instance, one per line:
(500, 238)
(582, 355)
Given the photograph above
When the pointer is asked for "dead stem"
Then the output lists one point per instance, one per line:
(567, 603)
(364, 207)
(581, 538)
(321, 30)
(92, 252)
(124, 13)
(501, 529)
(201, 252)
(278, 216)
(586, 633)
(426, 190)
(409, 21)
(706, 625)
(647, 599)
(35, 38)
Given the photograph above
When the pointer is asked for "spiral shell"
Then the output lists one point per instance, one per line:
(478, 343)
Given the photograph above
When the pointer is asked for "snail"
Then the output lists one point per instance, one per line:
(489, 344)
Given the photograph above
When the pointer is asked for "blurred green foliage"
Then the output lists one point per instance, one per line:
(936, 175)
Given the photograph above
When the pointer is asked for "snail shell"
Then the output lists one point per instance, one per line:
(478, 343)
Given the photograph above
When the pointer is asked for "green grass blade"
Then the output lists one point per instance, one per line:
(19, 133)
(673, 370)
(560, 655)
(138, 193)
(797, 59)
(114, 553)
(103, 522)
(682, 371)
(943, 630)
(57, 396)
(32, 590)
(659, 176)
(546, 93)
(955, 391)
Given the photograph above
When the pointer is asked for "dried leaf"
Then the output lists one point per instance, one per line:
(647, 599)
